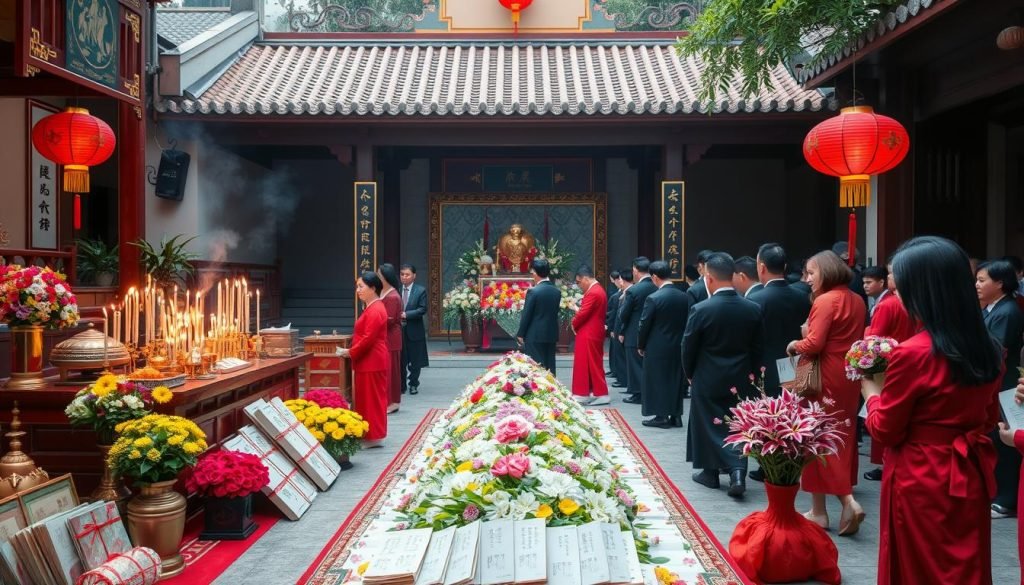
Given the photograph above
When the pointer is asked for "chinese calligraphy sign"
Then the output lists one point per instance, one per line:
(43, 188)
(365, 218)
(673, 205)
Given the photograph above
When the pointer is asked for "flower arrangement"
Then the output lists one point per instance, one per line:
(156, 447)
(783, 434)
(339, 430)
(228, 474)
(468, 262)
(36, 296)
(572, 296)
(559, 259)
(869, 356)
(326, 398)
(503, 298)
(464, 299)
(515, 445)
(112, 400)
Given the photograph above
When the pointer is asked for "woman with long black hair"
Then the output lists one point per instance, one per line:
(393, 304)
(933, 415)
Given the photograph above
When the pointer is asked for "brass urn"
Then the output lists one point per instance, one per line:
(88, 351)
(156, 519)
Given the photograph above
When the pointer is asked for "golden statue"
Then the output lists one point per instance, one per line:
(516, 249)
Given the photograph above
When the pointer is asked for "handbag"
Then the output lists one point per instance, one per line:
(807, 382)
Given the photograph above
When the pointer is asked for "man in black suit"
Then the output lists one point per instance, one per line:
(744, 280)
(722, 346)
(414, 335)
(609, 319)
(538, 328)
(630, 307)
(621, 367)
(699, 290)
(659, 335)
(783, 310)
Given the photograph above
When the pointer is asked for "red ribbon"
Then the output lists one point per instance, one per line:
(285, 432)
(285, 482)
(95, 528)
(968, 447)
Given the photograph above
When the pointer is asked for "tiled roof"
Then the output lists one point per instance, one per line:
(885, 25)
(180, 25)
(481, 79)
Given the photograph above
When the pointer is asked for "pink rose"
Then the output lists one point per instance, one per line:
(515, 465)
(512, 428)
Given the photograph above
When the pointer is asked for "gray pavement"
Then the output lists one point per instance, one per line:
(285, 552)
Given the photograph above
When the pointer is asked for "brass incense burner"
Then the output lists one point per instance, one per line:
(87, 351)
(17, 470)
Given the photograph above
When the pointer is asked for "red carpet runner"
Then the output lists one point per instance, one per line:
(205, 560)
(327, 568)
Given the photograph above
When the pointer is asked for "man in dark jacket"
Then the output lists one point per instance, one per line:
(662, 323)
(630, 308)
(414, 335)
(609, 320)
(538, 328)
(699, 290)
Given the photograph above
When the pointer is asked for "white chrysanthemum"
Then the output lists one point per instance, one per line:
(133, 401)
(500, 505)
(556, 485)
(523, 505)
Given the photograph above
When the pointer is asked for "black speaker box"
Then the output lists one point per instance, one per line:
(170, 178)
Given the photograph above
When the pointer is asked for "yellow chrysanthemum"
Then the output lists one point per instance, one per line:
(192, 448)
(568, 506)
(176, 440)
(319, 435)
(665, 576)
(135, 454)
(338, 434)
(330, 426)
(162, 394)
(301, 416)
(355, 429)
(105, 385)
(465, 466)
(472, 487)
(153, 455)
(566, 439)
(142, 442)
(459, 429)
(543, 511)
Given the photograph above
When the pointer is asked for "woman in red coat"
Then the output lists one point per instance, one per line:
(371, 360)
(835, 323)
(588, 358)
(393, 305)
(933, 415)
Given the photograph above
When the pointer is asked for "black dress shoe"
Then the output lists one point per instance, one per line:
(608, 373)
(414, 389)
(737, 483)
(757, 475)
(658, 421)
(676, 421)
(707, 478)
(632, 399)
(873, 475)
(618, 385)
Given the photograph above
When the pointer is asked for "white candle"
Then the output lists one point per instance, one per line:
(117, 325)
(257, 311)
(105, 336)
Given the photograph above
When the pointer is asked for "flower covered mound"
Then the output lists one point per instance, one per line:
(340, 431)
(156, 447)
(869, 356)
(500, 298)
(112, 400)
(228, 474)
(515, 445)
(36, 296)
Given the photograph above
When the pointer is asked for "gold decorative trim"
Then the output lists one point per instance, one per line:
(138, 111)
(135, 23)
(136, 4)
(133, 87)
(30, 71)
(597, 201)
(38, 49)
(4, 239)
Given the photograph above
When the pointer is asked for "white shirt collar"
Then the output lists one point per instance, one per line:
(751, 289)
(992, 305)
(648, 277)
(725, 288)
(775, 280)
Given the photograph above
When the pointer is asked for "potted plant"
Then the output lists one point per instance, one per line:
(103, 405)
(33, 299)
(462, 305)
(152, 451)
(340, 431)
(96, 263)
(572, 296)
(228, 479)
(783, 434)
(167, 262)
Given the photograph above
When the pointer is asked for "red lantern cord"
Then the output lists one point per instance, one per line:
(78, 212)
(852, 249)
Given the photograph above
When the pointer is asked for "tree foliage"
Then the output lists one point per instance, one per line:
(744, 40)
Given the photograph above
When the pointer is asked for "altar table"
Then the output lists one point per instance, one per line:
(215, 405)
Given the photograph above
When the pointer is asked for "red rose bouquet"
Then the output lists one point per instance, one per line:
(326, 398)
(228, 474)
(36, 296)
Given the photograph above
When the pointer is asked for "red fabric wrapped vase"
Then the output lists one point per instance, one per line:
(781, 546)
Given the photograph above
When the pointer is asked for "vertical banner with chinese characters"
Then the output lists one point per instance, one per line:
(365, 230)
(43, 187)
(673, 205)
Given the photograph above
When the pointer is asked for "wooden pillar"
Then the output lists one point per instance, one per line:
(647, 202)
(131, 208)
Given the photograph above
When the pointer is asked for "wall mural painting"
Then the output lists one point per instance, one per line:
(406, 16)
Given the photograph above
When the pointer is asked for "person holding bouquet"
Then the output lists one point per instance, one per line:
(938, 400)
(371, 360)
(835, 322)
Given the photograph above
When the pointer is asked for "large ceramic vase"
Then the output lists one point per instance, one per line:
(565, 336)
(156, 519)
(472, 333)
(228, 519)
(779, 545)
(26, 358)
(111, 488)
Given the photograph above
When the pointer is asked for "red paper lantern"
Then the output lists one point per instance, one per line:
(75, 140)
(853, 146)
(516, 6)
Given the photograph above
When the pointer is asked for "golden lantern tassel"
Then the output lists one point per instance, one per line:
(855, 191)
(76, 178)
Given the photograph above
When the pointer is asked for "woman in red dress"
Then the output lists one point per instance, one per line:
(933, 414)
(836, 321)
(371, 361)
(393, 304)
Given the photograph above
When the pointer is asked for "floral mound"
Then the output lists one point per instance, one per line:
(515, 445)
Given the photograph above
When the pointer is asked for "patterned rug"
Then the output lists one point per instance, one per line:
(718, 567)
